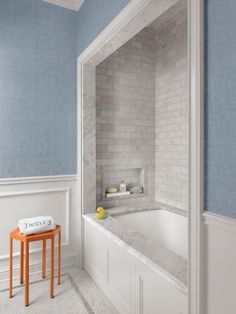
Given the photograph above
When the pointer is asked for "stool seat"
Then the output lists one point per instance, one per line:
(24, 258)
(16, 235)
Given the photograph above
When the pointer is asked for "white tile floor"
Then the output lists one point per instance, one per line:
(77, 294)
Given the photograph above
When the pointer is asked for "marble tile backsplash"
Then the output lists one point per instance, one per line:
(125, 112)
(171, 175)
(142, 111)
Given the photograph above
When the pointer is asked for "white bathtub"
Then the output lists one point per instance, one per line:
(160, 226)
(138, 259)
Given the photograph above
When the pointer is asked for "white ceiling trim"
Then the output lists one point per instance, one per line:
(68, 4)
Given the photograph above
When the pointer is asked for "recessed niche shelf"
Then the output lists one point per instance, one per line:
(121, 197)
(117, 194)
(113, 175)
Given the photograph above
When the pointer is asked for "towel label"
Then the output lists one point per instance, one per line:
(38, 223)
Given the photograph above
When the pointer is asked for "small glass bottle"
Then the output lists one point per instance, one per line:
(122, 186)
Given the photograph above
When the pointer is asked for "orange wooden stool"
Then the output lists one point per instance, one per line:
(24, 245)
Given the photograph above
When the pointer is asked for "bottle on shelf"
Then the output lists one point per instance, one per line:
(122, 186)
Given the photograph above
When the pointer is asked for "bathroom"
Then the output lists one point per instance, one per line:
(117, 156)
(141, 101)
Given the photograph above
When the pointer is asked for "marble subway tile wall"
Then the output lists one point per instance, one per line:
(172, 107)
(125, 113)
(142, 112)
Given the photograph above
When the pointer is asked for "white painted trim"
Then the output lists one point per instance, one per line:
(219, 264)
(196, 154)
(43, 191)
(25, 180)
(62, 187)
(6, 257)
(78, 4)
(130, 10)
(223, 223)
(195, 30)
(27, 192)
(68, 4)
(66, 261)
(80, 260)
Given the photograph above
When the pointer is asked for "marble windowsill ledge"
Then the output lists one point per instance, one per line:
(159, 258)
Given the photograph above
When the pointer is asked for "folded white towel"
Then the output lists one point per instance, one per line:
(36, 225)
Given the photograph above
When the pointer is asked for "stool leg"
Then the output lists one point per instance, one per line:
(59, 259)
(52, 269)
(26, 273)
(44, 260)
(10, 268)
(21, 262)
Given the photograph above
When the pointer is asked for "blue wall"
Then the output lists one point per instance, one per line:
(38, 82)
(220, 107)
(93, 17)
(37, 89)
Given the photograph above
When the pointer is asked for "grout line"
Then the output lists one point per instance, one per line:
(80, 295)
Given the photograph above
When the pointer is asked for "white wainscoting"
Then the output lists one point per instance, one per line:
(219, 265)
(28, 197)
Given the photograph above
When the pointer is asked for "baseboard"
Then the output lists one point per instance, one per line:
(36, 267)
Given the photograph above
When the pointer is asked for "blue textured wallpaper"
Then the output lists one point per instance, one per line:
(39, 44)
(220, 107)
(37, 89)
(93, 17)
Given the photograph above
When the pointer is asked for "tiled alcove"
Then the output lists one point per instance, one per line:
(87, 64)
(113, 175)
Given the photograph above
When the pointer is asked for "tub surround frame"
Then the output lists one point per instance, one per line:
(196, 155)
(134, 17)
